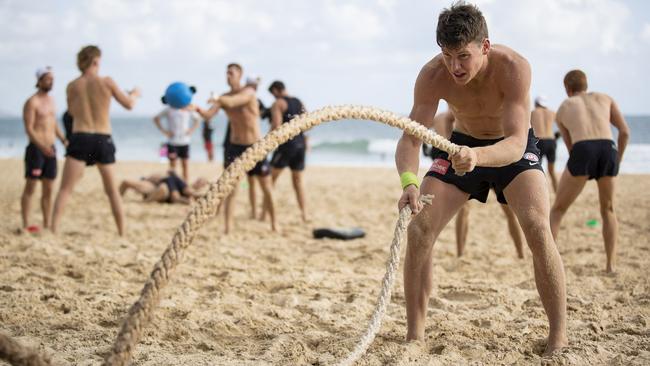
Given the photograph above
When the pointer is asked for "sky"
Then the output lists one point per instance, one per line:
(326, 52)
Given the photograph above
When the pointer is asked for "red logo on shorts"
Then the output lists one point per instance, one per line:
(531, 157)
(36, 172)
(440, 166)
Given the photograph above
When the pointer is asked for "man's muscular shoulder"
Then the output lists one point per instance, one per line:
(508, 63)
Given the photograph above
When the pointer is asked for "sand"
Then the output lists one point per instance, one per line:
(255, 297)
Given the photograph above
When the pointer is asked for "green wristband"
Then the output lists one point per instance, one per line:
(408, 178)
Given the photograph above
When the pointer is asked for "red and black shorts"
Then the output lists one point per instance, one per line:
(479, 181)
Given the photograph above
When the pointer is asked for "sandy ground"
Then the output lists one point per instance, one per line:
(255, 297)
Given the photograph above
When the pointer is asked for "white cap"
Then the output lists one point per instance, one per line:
(252, 80)
(541, 100)
(41, 71)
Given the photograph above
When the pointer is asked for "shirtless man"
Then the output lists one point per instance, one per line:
(40, 156)
(242, 109)
(165, 188)
(89, 99)
(443, 125)
(584, 120)
(541, 118)
(486, 87)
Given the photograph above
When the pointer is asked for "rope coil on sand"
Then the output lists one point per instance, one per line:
(141, 311)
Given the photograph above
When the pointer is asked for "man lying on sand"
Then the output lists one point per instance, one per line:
(584, 121)
(487, 88)
(164, 188)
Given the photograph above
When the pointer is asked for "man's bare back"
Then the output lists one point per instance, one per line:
(541, 119)
(89, 100)
(586, 117)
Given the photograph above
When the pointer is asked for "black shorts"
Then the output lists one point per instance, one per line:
(232, 152)
(479, 181)
(91, 148)
(593, 158)
(178, 151)
(174, 183)
(37, 165)
(547, 148)
(290, 154)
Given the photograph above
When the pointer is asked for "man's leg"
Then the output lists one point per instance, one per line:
(422, 233)
(551, 173)
(185, 166)
(275, 173)
(172, 164)
(462, 226)
(296, 179)
(228, 220)
(47, 186)
(567, 192)
(108, 179)
(515, 230)
(73, 170)
(252, 196)
(26, 200)
(527, 196)
(140, 186)
(606, 187)
(265, 183)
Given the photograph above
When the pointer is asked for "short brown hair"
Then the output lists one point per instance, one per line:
(459, 25)
(86, 56)
(236, 66)
(575, 81)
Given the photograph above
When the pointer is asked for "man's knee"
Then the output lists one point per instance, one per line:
(30, 187)
(606, 207)
(537, 231)
(422, 234)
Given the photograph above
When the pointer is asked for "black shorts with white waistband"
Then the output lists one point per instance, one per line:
(479, 181)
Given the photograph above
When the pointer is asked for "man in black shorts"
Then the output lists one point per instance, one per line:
(585, 121)
(242, 109)
(487, 88)
(292, 153)
(89, 99)
(40, 155)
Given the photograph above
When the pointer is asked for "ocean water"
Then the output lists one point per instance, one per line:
(341, 143)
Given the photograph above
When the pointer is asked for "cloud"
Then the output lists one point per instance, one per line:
(645, 33)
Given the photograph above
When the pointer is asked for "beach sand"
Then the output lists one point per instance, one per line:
(255, 297)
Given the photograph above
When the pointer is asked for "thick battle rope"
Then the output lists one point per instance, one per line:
(141, 311)
(387, 285)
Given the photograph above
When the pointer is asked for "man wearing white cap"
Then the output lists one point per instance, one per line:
(40, 155)
(541, 119)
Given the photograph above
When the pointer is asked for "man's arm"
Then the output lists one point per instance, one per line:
(516, 120)
(239, 99)
(276, 113)
(207, 115)
(60, 135)
(407, 154)
(196, 118)
(616, 118)
(29, 119)
(156, 121)
(126, 100)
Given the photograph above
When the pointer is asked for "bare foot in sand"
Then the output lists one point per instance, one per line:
(555, 346)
